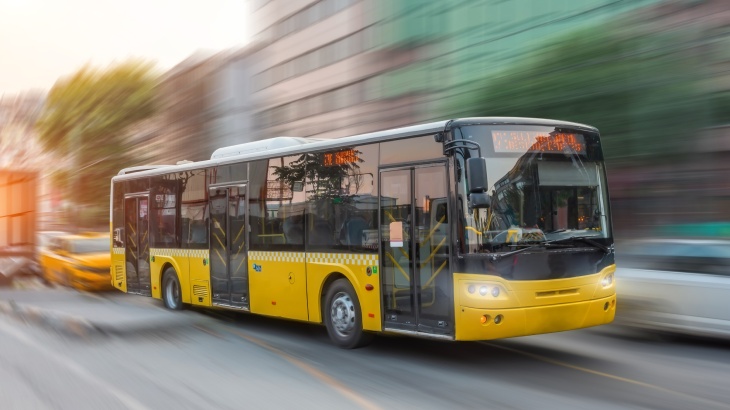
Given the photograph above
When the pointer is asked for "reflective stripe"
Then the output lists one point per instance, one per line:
(181, 253)
(276, 256)
(343, 258)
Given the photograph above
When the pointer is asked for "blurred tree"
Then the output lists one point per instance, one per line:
(328, 177)
(86, 118)
(643, 90)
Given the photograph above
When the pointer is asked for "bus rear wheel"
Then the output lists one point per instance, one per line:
(343, 316)
(171, 294)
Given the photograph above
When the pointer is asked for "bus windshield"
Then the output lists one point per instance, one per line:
(545, 184)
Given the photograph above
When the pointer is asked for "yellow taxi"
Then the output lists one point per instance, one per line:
(81, 261)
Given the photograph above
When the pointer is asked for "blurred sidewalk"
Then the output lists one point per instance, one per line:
(84, 314)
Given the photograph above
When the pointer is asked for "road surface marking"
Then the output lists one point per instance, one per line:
(209, 331)
(336, 385)
(610, 376)
(74, 367)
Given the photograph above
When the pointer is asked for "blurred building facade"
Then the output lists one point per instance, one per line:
(20, 149)
(685, 195)
(330, 68)
(341, 67)
(18, 145)
(320, 70)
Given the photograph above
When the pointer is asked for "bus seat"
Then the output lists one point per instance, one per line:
(294, 236)
(353, 230)
(293, 230)
(321, 234)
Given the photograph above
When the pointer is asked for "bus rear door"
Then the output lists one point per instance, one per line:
(137, 250)
(228, 253)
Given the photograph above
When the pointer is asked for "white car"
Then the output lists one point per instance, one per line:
(675, 285)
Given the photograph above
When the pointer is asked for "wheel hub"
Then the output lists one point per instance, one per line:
(171, 293)
(343, 314)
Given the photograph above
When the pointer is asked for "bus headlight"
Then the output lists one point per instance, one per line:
(488, 290)
(607, 280)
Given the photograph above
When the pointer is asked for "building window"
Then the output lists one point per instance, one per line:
(323, 56)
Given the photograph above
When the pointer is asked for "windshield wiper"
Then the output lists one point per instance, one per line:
(584, 239)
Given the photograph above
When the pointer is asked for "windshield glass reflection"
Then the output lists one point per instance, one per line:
(545, 184)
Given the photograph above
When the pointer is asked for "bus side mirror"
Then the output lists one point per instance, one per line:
(479, 200)
(476, 173)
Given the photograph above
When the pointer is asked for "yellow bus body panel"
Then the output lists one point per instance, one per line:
(355, 267)
(278, 284)
(199, 277)
(119, 269)
(160, 259)
(524, 308)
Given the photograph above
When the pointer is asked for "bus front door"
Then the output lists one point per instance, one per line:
(137, 245)
(415, 275)
(228, 254)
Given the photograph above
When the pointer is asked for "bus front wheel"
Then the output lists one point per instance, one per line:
(343, 316)
(171, 294)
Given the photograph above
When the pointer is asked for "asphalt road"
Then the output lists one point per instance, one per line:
(248, 362)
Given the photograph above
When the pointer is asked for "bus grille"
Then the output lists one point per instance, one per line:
(561, 292)
(118, 272)
(200, 291)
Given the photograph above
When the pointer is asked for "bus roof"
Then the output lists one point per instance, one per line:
(283, 146)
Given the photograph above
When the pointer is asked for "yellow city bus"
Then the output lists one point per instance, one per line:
(468, 229)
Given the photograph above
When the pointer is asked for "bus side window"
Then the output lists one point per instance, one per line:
(441, 213)
(198, 232)
(351, 233)
(293, 232)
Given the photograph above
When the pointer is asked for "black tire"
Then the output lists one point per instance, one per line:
(345, 326)
(171, 294)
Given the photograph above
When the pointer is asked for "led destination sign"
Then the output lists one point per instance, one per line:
(534, 141)
(348, 156)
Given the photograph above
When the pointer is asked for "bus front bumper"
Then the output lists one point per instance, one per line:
(487, 324)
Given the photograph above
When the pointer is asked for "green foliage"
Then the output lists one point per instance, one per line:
(86, 117)
(644, 91)
(327, 180)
